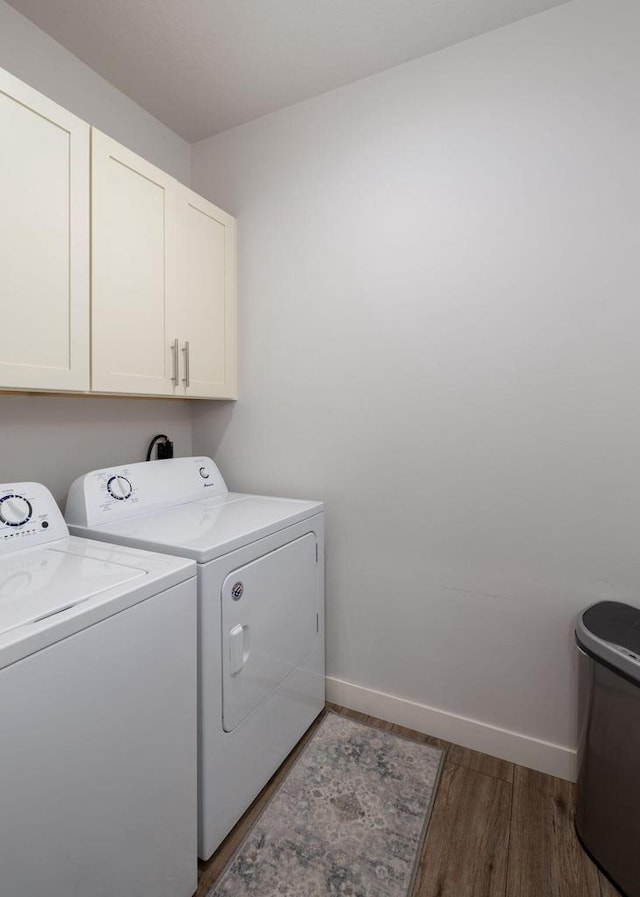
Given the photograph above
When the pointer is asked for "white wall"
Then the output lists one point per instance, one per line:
(440, 336)
(53, 439)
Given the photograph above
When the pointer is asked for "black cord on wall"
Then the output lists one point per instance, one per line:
(165, 447)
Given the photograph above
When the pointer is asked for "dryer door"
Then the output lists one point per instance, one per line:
(269, 625)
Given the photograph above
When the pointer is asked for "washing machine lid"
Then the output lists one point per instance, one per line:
(208, 528)
(36, 585)
(48, 593)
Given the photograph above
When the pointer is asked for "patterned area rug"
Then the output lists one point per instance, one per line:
(349, 819)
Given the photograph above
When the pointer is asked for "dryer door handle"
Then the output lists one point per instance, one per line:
(238, 648)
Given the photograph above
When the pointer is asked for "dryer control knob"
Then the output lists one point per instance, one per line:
(15, 510)
(119, 488)
(204, 473)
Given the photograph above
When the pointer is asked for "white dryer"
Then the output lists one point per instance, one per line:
(260, 567)
(98, 711)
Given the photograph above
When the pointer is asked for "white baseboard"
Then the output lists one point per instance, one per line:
(554, 759)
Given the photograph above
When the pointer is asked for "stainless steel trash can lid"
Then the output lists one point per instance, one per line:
(610, 632)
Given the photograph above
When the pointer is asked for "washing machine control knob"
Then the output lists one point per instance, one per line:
(119, 488)
(15, 510)
(204, 473)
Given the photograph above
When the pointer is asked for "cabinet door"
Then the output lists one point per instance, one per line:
(207, 298)
(134, 211)
(44, 249)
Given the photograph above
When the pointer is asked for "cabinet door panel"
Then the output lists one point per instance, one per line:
(207, 308)
(44, 251)
(133, 273)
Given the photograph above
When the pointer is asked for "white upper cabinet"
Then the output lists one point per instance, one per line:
(163, 282)
(133, 273)
(44, 250)
(114, 278)
(206, 297)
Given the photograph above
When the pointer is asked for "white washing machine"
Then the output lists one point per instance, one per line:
(98, 711)
(260, 612)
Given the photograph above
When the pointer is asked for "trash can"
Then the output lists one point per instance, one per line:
(608, 790)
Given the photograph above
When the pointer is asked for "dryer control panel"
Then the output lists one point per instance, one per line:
(116, 493)
(29, 516)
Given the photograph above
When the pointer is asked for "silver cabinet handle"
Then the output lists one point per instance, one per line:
(174, 353)
(186, 379)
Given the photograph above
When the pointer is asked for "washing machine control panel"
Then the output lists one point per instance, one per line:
(29, 515)
(116, 493)
(119, 487)
(15, 510)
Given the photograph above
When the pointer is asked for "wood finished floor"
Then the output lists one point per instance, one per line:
(496, 830)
